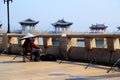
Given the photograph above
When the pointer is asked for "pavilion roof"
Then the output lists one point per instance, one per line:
(29, 22)
(98, 27)
(62, 23)
(0, 24)
(118, 27)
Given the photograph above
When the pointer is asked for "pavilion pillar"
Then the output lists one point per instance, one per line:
(34, 27)
(55, 29)
(23, 27)
(65, 29)
(58, 29)
(62, 29)
(68, 28)
(31, 27)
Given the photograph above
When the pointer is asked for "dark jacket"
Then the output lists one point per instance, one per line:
(29, 44)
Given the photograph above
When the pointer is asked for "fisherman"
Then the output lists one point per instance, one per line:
(30, 47)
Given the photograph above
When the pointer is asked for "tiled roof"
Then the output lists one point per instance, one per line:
(28, 22)
(98, 26)
(62, 23)
(118, 27)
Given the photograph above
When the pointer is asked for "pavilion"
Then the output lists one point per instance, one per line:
(62, 26)
(0, 25)
(118, 28)
(28, 24)
(98, 28)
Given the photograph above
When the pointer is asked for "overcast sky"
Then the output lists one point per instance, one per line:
(83, 13)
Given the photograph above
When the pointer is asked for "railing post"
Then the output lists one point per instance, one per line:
(65, 44)
(47, 42)
(112, 45)
(63, 41)
(90, 43)
(5, 41)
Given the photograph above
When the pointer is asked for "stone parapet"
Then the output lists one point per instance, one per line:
(67, 46)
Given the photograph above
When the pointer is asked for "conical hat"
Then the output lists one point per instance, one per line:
(28, 35)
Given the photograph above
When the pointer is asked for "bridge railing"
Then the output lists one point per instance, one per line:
(67, 43)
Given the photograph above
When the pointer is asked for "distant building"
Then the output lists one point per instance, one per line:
(118, 28)
(0, 25)
(98, 28)
(62, 26)
(28, 24)
(1, 30)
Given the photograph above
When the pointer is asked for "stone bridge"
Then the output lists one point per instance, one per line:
(67, 45)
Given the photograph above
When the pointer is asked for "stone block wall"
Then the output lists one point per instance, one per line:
(67, 47)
